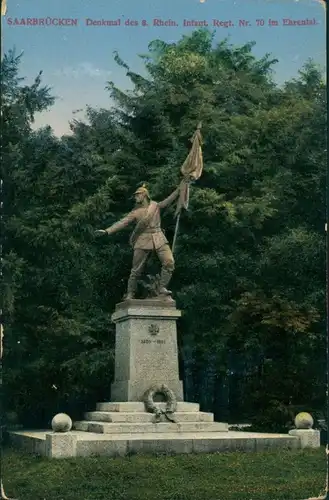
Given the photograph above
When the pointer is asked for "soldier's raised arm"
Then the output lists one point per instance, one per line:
(117, 226)
(170, 199)
(173, 196)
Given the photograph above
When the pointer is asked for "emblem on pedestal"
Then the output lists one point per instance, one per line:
(154, 329)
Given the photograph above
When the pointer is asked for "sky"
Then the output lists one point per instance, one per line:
(77, 61)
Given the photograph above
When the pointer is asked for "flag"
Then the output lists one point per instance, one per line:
(3, 7)
(191, 169)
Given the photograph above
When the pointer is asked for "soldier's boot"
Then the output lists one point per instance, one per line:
(131, 288)
(165, 277)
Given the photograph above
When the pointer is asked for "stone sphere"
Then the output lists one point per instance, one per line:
(304, 421)
(61, 423)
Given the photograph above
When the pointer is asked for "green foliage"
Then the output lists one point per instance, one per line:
(250, 259)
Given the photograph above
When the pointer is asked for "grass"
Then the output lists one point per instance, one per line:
(279, 475)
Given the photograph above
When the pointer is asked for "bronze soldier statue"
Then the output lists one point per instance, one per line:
(147, 237)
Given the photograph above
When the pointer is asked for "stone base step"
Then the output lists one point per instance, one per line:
(85, 444)
(169, 444)
(144, 417)
(142, 428)
(139, 407)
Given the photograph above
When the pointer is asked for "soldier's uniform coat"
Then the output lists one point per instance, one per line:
(151, 238)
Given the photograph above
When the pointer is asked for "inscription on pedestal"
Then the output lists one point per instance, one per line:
(148, 341)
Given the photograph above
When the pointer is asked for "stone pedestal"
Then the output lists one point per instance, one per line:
(60, 445)
(146, 352)
(309, 438)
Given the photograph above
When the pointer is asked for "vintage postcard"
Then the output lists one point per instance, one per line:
(164, 250)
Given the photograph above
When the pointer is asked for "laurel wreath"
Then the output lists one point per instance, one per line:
(171, 403)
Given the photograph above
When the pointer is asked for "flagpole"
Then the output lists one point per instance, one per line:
(176, 232)
(178, 220)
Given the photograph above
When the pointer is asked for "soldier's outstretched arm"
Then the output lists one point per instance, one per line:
(121, 224)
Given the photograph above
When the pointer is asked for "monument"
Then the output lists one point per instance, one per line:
(147, 411)
(146, 352)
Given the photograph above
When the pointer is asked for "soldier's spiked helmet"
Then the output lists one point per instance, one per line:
(142, 190)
